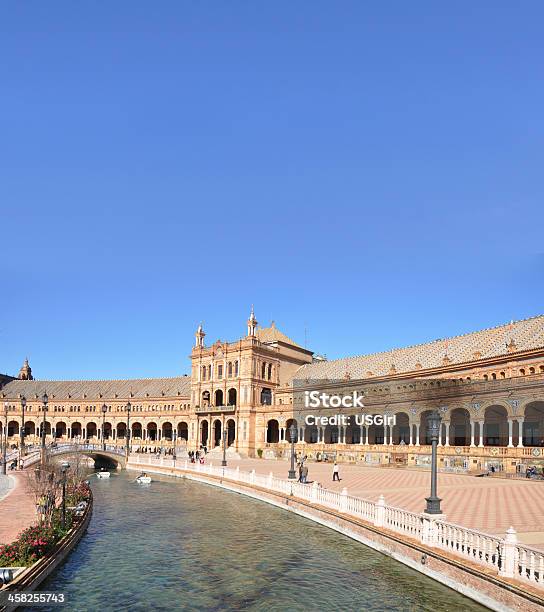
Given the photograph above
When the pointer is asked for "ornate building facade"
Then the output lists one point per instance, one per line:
(488, 386)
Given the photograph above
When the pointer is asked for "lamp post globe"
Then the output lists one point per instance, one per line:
(434, 421)
(292, 434)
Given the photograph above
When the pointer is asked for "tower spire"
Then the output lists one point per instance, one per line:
(25, 373)
(199, 336)
(251, 323)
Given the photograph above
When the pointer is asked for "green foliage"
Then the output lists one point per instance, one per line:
(260, 453)
(39, 540)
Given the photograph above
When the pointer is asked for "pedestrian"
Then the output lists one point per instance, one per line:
(304, 477)
(300, 472)
(335, 472)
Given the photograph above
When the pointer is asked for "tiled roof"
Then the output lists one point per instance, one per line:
(526, 335)
(273, 334)
(140, 388)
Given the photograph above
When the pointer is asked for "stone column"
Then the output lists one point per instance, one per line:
(481, 434)
(510, 432)
(411, 441)
(417, 442)
(447, 426)
(440, 436)
(472, 432)
(361, 434)
(520, 432)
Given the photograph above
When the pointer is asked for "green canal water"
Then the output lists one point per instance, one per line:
(181, 545)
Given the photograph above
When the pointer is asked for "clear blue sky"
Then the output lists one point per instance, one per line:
(369, 171)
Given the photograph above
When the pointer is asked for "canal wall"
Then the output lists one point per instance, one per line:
(377, 526)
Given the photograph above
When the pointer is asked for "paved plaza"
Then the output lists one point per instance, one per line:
(17, 509)
(486, 504)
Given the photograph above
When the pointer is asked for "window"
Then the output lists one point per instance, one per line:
(263, 373)
(269, 371)
(230, 369)
(236, 368)
(220, 371)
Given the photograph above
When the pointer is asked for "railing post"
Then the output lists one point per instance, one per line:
(252, 477)
(186, 464)
(379, 518)
(269, 483)
(344, 500)
(508, 554)
(237, 475)
(429, 529)
(313, 491)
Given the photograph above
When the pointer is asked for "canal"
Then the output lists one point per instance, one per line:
(181, 545)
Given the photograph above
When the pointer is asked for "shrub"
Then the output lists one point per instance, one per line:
(260, 453)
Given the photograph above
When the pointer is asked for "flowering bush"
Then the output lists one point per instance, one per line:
(77, 492)
(37, 541)
(31, 544)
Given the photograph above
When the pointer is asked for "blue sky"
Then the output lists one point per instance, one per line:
(370, 172)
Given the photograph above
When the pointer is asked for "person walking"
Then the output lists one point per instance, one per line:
(335, 472)
(304, 475)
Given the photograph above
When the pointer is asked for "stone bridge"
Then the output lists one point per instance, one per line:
(107, 453)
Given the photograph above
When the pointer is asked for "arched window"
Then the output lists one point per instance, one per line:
(269, 371)
(209, 371)
(494, 376)
(531, 370)
(236, 368)
(263, 373)
(230, 369)
(522, 372)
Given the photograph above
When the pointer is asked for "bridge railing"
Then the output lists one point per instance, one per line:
(503, 555)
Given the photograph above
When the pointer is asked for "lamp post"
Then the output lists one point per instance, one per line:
(292, 433)
(22, 432)
(5, 445)
(64, 467)
(174, 436)
(127, 436)
(104, 410)
(224, 462)
(45, 400)
(433, 501)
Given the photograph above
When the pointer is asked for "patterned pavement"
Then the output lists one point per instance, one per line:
(17, 510)
(487, 504)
